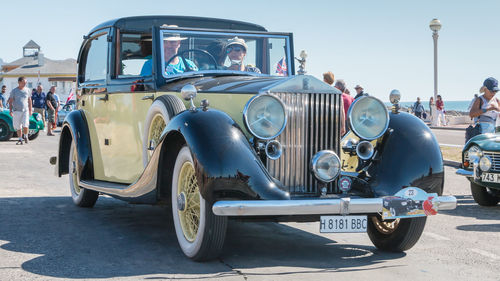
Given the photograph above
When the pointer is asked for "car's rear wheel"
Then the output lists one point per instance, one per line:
(200, 233)
(396, 235)
(483, 196)
(5, 133)
(159, 114)
(82, 197)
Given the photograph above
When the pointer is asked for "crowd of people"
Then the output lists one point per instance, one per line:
(22, 102)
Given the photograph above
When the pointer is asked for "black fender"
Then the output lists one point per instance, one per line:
(409, 156)
(75, 127)
(226, 165)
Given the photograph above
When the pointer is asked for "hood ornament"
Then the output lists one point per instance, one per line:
(302, 61)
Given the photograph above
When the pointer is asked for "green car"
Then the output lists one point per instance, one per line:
(481, 165)
(7, 130)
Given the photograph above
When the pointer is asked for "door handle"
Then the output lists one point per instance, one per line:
(105, 98)
(152, 97)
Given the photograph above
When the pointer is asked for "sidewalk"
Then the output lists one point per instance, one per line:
(459, 127)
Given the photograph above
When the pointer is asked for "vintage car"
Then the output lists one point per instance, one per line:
(208, 116)
(65, 109)
(481, 165)
(7, 130)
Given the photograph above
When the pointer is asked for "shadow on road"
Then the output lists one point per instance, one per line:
(466, 207)
(480, 227)
(116, 239)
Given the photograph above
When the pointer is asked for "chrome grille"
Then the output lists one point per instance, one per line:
(495, 160)
(313, 125)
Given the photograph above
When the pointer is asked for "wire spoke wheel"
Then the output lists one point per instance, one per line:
(190, 215)
(74, 171)
(385, 227)
(158, 124)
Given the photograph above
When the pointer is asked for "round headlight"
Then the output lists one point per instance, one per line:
(325, 165)
(485, 163)
(38, 117)
(265, 116)
(368, 117)
(474, 153)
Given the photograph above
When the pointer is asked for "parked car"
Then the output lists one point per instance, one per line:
(481, 166)
(206, 133)
(7, 129)
(65, 109)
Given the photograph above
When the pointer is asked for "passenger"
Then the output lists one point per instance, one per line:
(217, 50)
(486, 107)
(236, 50)
(171, 46)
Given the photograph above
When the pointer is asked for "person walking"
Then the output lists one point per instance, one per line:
(418, 108)
(3, 100)
(51, 110)
(38, 98)
(486, 107)
(359, 92)
(440, 111)
(329, 78)
(20, 108)
(56, 96)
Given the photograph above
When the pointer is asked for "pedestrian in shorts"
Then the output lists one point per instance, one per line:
(38, 98)
(3, 100)
(20, 107)
(51, 110)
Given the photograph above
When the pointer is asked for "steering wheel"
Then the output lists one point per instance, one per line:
(184, 60)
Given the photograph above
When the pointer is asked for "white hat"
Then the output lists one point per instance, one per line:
(236, 41)
(173, 36)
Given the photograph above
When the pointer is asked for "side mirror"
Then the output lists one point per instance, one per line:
(188, 93)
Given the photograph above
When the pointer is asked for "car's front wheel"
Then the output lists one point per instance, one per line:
(483, 196)
(200, 233)
(34, 135)
(82, 197)
(396, 235)
(5, 133)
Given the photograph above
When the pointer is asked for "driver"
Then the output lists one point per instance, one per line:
(175, 65)
(236, 50)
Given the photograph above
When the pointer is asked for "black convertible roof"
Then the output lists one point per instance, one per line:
(144, 23)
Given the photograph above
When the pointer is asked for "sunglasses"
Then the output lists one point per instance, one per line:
(236, 49)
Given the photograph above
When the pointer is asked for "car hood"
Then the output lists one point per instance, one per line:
(488, 142)
(253, 84)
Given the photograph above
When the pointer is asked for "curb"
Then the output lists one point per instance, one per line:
(448, 128)
(453, 164)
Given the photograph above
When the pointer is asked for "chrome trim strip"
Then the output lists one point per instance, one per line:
(463, 172)
(341, 206)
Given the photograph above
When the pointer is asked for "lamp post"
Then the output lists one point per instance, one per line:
(435, 26)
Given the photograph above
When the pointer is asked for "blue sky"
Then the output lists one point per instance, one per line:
(382, 45)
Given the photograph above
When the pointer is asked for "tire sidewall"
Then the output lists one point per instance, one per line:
(77, 197)
(158, 107)
(8, 133)
(190, 249)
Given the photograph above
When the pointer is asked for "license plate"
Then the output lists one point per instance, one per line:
(342, 224)
(490, 177)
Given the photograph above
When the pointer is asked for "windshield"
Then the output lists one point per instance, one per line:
(196, 51)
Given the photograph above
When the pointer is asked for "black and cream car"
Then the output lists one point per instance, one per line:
(166, 113)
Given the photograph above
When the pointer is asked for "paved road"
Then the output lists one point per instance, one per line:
(455, 137)
(44, 236)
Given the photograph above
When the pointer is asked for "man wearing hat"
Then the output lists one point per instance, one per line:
(236, 49)
(359, 91)
(171, 44)
(486, 106)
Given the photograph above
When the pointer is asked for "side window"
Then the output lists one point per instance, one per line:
(97, 59)
(135, 55)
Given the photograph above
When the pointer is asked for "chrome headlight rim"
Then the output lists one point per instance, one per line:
(351, 109)
(485, 163)
(314, 165)
(474, 154)
(245, 116)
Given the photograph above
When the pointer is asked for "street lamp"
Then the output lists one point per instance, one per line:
(435, 26)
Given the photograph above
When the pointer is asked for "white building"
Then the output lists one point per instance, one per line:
(40, 70)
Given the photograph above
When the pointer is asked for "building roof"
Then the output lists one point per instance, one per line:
(52, 67)
(31, 45)
(21, 61)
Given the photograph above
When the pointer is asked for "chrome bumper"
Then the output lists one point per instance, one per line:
(463, 172)
(341, 206)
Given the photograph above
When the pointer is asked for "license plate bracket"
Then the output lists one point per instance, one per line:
(343, 224)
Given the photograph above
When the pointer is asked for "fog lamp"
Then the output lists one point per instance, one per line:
(485, 163)
(325, 165)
